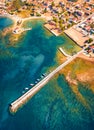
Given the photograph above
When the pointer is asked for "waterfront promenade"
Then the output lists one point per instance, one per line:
(27, 96)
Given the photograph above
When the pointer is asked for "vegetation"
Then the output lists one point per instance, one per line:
(92, 25)
(45, 10)
(53, 4)
(17, 4)
(90, 40)
(37, 14)
(55, 19)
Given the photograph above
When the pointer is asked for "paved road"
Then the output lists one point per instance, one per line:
(24, 98)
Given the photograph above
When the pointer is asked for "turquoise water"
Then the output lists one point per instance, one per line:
(55, 107)
(5, 22)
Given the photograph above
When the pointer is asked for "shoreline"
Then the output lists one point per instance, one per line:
(17, 28)
(50, 31)
(17, 18)
(69, 32)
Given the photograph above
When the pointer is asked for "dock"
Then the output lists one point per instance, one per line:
(63, 52)
(20, 30)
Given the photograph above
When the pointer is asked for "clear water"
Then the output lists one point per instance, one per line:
(55, 107)
(5, 22)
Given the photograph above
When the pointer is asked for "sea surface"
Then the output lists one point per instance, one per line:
(5, 22)
(54, 107)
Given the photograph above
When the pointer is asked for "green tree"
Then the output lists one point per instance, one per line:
(90, 40)
(53, 4)
(45, 10)
(55, 19)
(92, 25)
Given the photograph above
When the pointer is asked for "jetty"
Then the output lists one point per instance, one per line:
(63, 52)
(17, 104)
(20, 30)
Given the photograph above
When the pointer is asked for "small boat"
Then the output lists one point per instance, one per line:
(43, 75)
(23, 91)
(36, 82)
(38, 79)
(26, 88)
(32, 84)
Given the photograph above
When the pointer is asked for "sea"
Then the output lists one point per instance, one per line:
(23, 60)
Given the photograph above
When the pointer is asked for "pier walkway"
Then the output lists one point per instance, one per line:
(27, 96)
(65, 54)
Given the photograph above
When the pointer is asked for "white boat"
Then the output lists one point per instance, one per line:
(36, 82)
(23, 91)
(26, 88)
(38, 79)
(32, 84)
(42, 76)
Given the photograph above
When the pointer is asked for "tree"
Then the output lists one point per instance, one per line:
(45, 10)
(37, 14)
(55, 19)
(53, 4)
(90, 40)
(92, 25)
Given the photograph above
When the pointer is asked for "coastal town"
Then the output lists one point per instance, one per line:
(47, 64)
(75, 19)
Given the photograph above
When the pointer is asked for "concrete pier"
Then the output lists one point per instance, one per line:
(62, 51)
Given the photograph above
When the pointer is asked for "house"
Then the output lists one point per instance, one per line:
(87, 0)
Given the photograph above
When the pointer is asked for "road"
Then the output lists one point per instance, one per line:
(27, 96)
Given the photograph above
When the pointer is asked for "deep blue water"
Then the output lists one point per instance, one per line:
(55, 107)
